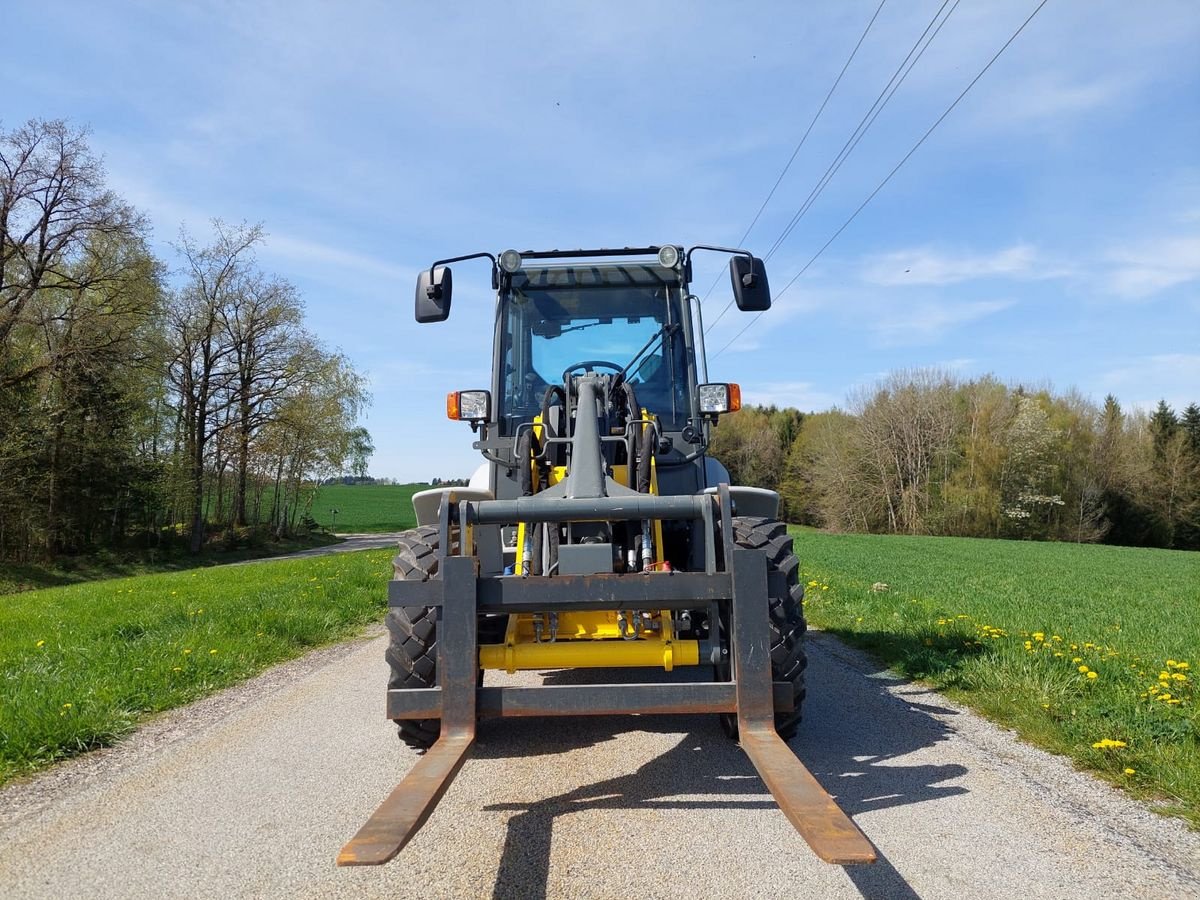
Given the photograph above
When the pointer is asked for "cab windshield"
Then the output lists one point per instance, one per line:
(559, 318)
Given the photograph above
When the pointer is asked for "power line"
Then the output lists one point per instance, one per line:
(896, 169)
(803, 138)
(885, 95)
(898, 78)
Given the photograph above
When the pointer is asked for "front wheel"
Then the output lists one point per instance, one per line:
(412, 651)
(786, 615)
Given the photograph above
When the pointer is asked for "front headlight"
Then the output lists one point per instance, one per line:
(719, 398)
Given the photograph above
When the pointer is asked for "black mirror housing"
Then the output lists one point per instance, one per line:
(433, 294)
(750, 288)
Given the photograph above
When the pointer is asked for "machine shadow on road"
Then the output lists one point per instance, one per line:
(854, 731)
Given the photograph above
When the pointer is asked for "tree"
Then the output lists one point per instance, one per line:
(79, 303)
(360, 450)
(1190, 422)
(57, 220)
(202, 368)
(906, 429)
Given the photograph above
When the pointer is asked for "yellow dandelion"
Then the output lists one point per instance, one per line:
(1092, 675)
(1077, 659)
(1178, 677)
(41, 643)
(186, 652)
(1083, 670)
(212, 652)
(66, 706)
(1129, 771)
(177, 669)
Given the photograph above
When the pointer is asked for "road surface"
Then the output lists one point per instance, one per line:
(251, 793)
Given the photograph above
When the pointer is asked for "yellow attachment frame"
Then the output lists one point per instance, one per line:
(588, 639)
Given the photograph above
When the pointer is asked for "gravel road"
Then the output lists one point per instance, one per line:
(251, 793)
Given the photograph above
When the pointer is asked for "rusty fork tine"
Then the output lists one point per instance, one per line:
(828, 830)
(405, 810)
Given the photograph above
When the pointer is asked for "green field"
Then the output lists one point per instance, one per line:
(366, 507)
(1072, 645)
(82, 665)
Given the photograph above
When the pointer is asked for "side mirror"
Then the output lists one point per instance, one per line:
(750, 288)
(433, 294)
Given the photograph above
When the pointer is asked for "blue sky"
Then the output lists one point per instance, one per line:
(1047, 232)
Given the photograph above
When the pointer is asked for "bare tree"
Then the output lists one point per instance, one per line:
(203, 367)
(905, 427)
(55, 214)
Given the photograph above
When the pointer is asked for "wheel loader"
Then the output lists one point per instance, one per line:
(597, 533)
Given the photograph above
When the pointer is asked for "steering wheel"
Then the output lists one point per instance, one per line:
(589, 365)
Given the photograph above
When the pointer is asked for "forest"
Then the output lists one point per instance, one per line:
(924, 452)
(148, 402)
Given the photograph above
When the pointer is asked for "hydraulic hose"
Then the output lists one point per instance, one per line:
(634, 447)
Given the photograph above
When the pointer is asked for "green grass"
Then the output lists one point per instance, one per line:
(366, 507)
(82, 665)
(1006, 626)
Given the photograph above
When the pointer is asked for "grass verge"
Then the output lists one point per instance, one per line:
(82, 665)
(17, 577)
(1088, 651)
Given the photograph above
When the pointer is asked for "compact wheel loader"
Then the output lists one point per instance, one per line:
(597, 534)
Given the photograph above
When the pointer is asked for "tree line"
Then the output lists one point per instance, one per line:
(924, 452)
(141, 405)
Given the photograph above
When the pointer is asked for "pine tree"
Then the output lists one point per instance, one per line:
(1191, 426)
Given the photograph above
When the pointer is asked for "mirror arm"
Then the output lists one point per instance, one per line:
(747, 279)
(434, 291)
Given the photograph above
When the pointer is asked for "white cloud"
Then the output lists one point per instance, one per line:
(927, 266)
(803, 395)
(928, 320)
(306, 253)
(1051, 98)
(1150, 267)
(1145, 380)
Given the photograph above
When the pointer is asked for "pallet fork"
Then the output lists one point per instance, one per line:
(462, 595)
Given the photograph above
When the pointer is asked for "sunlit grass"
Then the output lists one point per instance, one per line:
(1073, 646)
(82, 665)
(366, 507)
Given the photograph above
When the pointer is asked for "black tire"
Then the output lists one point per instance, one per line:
(786, 614)
(412, 652)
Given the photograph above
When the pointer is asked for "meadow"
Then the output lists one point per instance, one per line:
(365, 507)
(1089, 651)
(82, 665)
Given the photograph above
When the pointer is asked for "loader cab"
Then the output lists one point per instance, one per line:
(627, 318)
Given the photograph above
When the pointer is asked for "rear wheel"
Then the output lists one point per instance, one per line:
(786, 610)
(412, 651)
